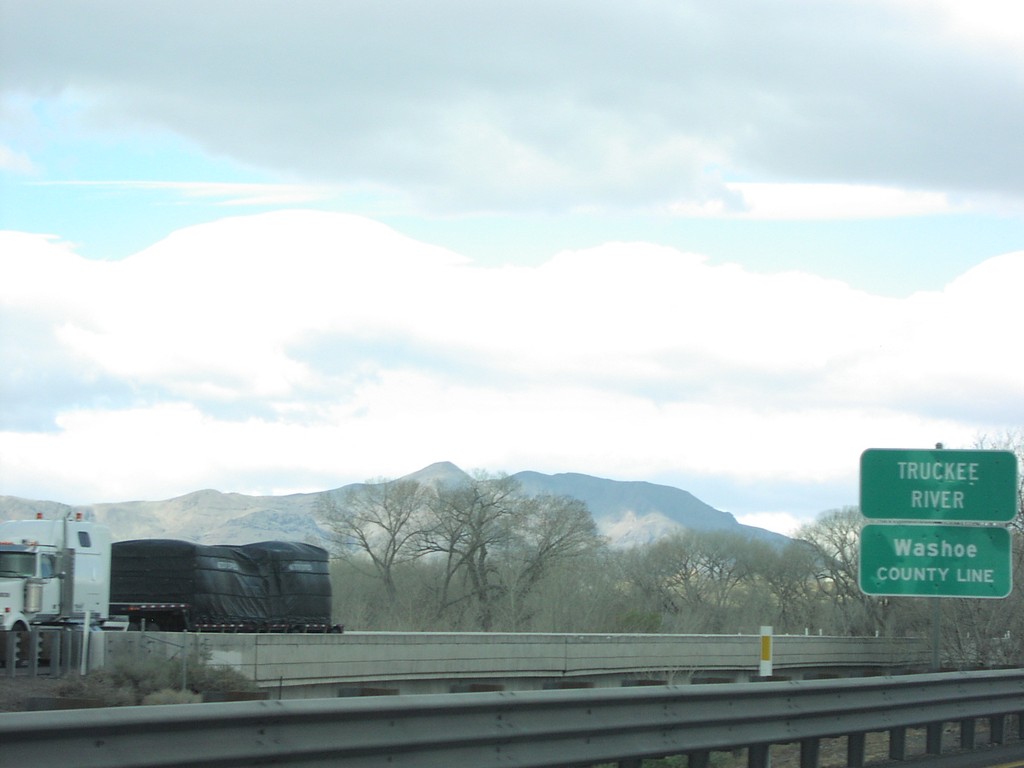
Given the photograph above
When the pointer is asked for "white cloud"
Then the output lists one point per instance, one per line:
(987, 22)
(310, 349)
(762, 200)
(225, 193)
(16, 162)
(541, 106)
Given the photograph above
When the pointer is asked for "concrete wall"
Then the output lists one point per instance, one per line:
(300, 665)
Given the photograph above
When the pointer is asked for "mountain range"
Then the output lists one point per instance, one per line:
(627, 512)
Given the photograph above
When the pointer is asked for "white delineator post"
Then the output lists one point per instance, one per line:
(765, 668)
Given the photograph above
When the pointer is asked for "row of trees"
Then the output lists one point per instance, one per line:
(463, 552)
(481, 555)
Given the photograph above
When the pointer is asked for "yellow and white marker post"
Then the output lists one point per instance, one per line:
(765, 668)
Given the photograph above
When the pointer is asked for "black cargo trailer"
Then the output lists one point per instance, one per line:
(175, 585)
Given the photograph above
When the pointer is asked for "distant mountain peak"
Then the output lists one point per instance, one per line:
(627, 512)
(632, 511)
(441, 472)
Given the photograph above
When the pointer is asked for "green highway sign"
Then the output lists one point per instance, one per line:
(935, 560)
(940, 485)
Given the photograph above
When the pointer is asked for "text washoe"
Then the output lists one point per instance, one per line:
(935, 560)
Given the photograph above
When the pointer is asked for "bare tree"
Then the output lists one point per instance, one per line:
(552, 530)
(380, 519)
(694, 576)
(788, 574)
(835, 538)
(549, 532)
(468, 522)
(585, 594)
(498, 544)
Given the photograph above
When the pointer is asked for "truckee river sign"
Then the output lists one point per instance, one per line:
(939, 485)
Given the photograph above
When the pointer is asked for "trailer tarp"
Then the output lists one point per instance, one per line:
(269, 584)
(298, 580)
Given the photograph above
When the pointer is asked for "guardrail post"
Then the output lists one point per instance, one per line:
(898, 744)
(758, 756)
(855, 750)
(997, 729)
(933, 739)
(698, 759)
(967, 733)
(810, 753)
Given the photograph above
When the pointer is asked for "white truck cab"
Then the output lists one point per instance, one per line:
(53, 572)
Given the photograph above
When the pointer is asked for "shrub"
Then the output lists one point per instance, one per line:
(170, 696)
(152, 679)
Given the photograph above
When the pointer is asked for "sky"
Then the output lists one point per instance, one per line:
(270, 247)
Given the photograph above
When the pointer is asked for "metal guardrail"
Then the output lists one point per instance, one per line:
(538, 729)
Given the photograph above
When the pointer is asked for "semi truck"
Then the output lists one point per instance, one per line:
(68, 571)
(53, 572)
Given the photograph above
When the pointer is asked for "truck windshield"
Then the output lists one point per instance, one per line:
(17, 564)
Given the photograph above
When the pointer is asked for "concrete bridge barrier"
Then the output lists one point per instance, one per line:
(313, 665)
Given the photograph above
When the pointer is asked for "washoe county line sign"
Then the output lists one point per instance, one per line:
(935, 560)
(939, 485)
